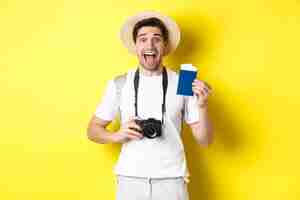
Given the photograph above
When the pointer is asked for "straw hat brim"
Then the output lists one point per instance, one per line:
(126, 33)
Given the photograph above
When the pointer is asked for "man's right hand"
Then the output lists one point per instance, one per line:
(126, 133)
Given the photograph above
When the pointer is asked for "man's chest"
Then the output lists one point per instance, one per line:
(150, 100)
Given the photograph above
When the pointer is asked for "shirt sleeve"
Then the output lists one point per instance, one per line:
(191, 109)
(107, 108)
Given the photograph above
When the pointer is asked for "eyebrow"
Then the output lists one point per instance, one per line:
(155, 34)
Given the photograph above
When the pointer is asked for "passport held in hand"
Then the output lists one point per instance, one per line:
(187, 74)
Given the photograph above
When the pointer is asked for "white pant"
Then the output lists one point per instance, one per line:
(138, 188)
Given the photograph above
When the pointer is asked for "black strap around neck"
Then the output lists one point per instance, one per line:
(164, 84)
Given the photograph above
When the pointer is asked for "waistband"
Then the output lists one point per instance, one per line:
(150, 179)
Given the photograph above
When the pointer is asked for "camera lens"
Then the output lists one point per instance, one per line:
(150, 131)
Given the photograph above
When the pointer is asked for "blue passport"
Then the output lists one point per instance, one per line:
(187, 74)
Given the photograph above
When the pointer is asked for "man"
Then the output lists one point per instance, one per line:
(151, 167)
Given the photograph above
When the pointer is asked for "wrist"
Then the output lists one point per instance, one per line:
(203, 104)
(113, 137)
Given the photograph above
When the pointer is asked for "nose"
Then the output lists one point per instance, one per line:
(150, 44)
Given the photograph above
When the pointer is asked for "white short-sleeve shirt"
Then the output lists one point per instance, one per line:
(160, 157)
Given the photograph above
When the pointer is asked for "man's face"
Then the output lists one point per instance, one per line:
(150, 47)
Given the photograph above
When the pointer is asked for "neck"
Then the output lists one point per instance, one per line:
(155, 72)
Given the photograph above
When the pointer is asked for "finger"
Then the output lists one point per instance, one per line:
(198, 84)
(197, 87)
(134, 125)
(130, 119)
(207, 90)
(200, 91)
(196, 90)
(132, 137)
(202, 83)
(203, 92)
(133, 132)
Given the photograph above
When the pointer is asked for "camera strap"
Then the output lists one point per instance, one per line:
(164, 84)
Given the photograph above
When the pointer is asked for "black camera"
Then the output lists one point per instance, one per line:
(151, 128)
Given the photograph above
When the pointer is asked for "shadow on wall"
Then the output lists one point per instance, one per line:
(195, 46)
(199, 39)
(227, 139)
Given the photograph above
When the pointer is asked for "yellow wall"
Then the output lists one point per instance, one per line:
(56, 57)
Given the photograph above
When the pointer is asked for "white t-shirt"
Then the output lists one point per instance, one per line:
(162, 156)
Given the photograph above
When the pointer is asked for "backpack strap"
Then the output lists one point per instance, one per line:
(120, 82)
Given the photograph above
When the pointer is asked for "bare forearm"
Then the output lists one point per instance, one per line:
(100, 135)
(203, 130)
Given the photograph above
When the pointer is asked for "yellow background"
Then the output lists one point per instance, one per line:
(57, 56)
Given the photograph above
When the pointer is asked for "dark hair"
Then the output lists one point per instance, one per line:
(153, 22)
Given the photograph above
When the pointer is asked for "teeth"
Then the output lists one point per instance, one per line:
(149, 53)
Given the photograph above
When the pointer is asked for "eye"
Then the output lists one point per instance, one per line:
(157, 39)
(142, 39)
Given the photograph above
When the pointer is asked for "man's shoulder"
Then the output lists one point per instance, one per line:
(172, 73)
(123, 75)
(120, 80)
(120, 77)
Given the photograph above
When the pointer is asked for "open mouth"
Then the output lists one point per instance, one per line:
(150, 57)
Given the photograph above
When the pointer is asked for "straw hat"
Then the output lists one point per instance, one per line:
(126, 33)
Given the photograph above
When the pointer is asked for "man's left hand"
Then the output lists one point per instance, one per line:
(202, 91)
